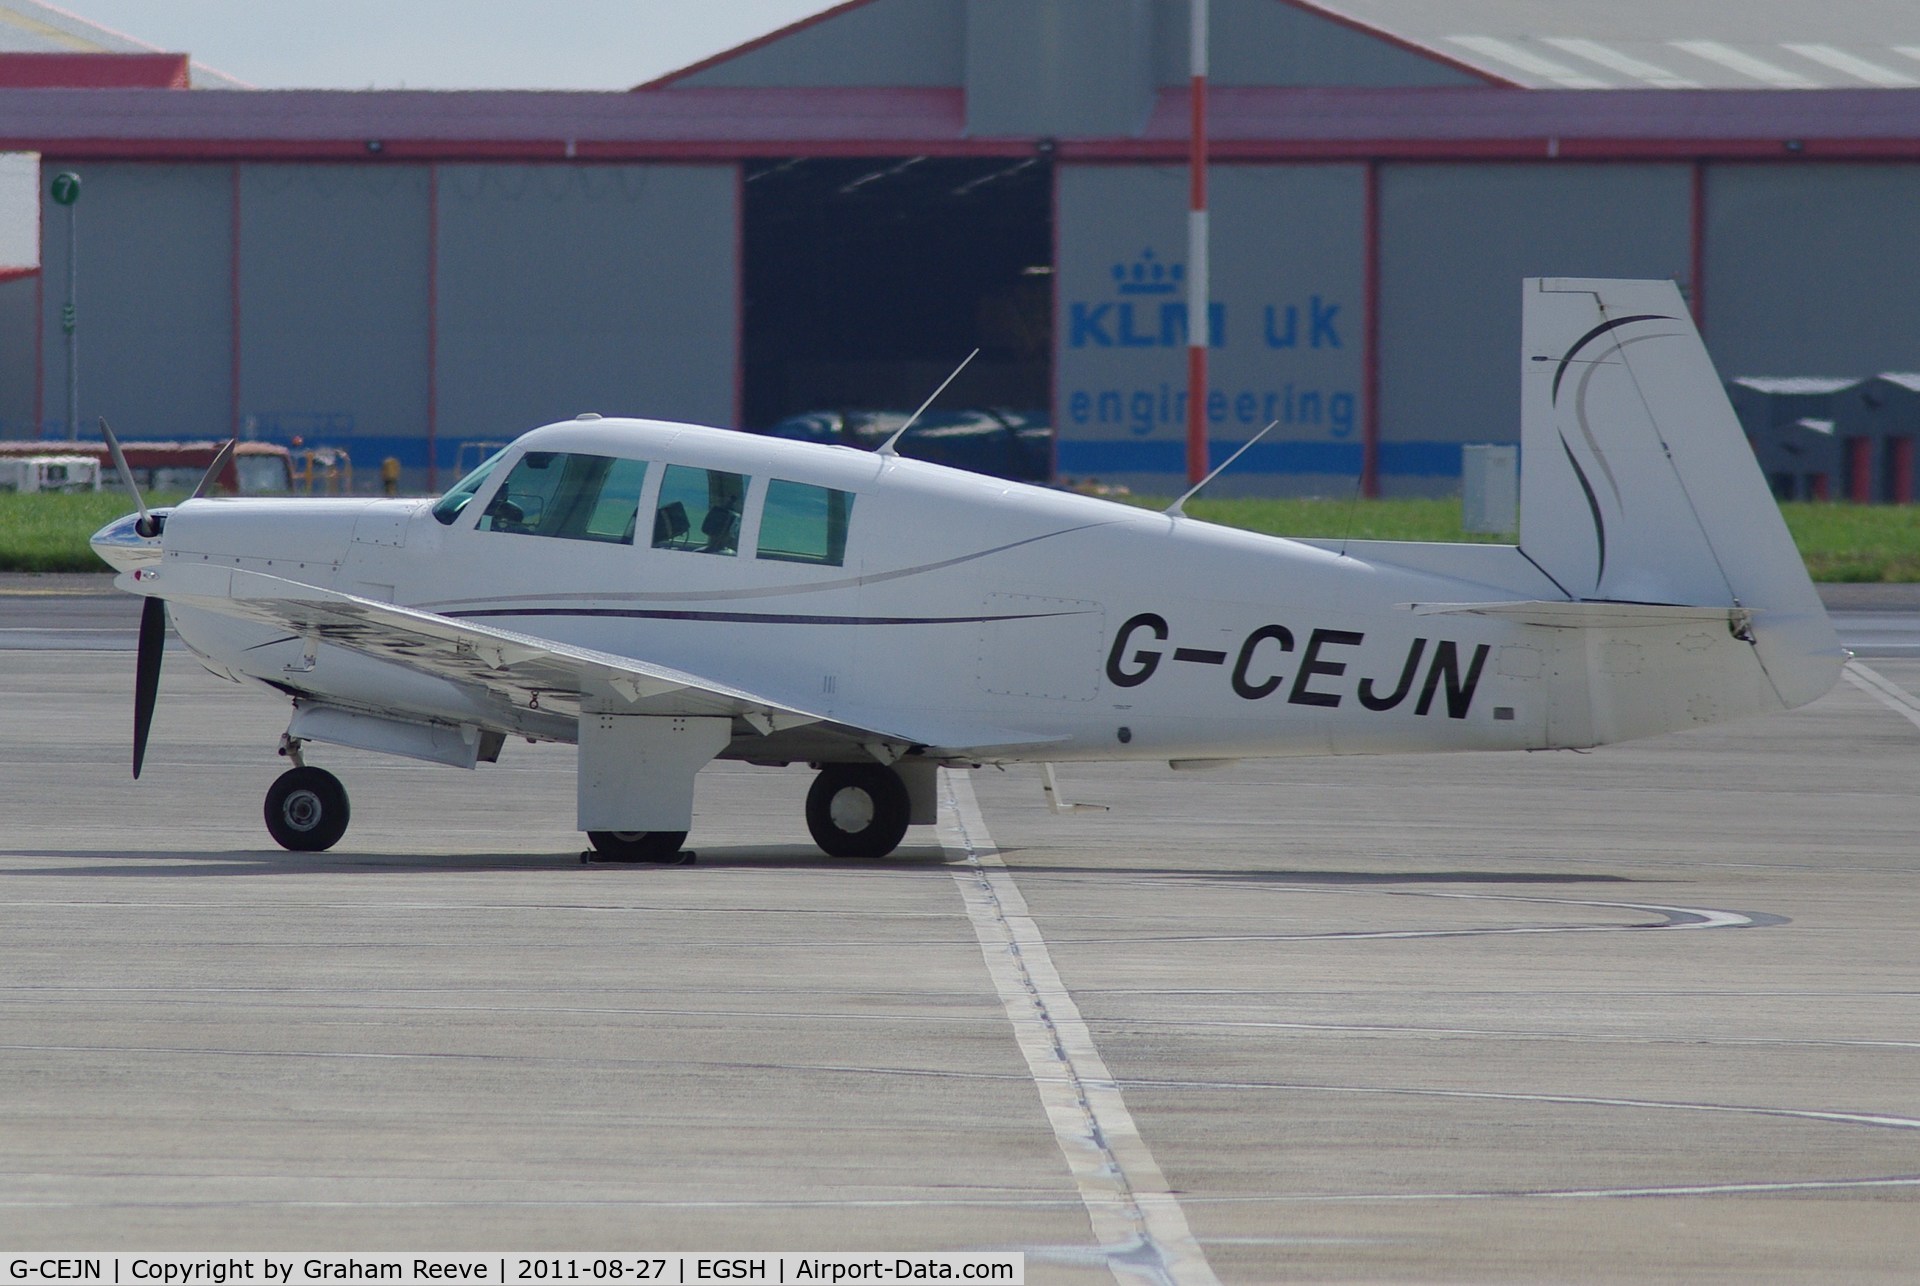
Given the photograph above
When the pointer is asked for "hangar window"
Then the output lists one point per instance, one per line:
(449, 506)
(804, 524)
(574, 497)
(699, 510)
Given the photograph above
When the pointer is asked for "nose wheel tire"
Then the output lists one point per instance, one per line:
(637, 846)
(307, 810)
(858, 810)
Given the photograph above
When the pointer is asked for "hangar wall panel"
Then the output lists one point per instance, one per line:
(1268, 42)
(333, 306)
(892, 42)
(1456, 240)
(570, 288)
(156, 298)
(1287, 330)
(1811, 268)
(19, 317)
(1059, 67)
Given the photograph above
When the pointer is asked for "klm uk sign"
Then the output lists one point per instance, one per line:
(1142, 309)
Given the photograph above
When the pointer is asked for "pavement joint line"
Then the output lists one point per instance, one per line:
(1134, 1213)
(1882, 689)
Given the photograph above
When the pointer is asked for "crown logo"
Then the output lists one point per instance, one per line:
(1147, 275)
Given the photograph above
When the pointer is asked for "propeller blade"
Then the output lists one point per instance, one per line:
(146, 674)
(213, 470)
(146, 525)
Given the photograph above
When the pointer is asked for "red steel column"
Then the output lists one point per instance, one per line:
(433, 327)
(1860, 470)
(1198, 327)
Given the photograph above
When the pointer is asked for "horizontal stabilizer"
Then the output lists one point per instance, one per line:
(1591, 613)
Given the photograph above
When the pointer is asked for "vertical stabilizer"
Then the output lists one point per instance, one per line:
(1637, 484)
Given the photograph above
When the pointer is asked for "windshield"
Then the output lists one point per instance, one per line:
(449, 506)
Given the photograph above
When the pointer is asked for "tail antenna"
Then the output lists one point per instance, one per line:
(1178, 508)
(887, 447)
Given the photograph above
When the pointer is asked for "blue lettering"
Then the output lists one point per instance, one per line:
(1173, 325)
(1340, 411)
(1141, 406)
(1290, 337)
(1129, 337)
(1245, 407)
(1324, 335)
(1080, 406)
(1088, 325)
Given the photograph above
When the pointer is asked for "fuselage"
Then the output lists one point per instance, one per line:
(984, 619)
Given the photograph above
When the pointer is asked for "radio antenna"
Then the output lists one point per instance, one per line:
(1177, 509)
(886, 448)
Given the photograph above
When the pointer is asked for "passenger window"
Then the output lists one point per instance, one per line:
(574, 497)
(804, 524)
(699, 510)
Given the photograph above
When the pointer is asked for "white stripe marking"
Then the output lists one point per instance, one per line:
(1745, 63)
(1842, 61)
(1626, 64)
(1882, 690)
(1527, 61)
(1877, 1120)
(1134, 1214)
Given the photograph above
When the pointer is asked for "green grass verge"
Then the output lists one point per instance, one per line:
(1839, 542)
(48, 533)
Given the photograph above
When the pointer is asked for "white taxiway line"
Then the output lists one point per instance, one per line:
(1884, 690)
(1135, 1217)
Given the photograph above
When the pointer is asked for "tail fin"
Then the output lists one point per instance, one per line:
(1637, 483)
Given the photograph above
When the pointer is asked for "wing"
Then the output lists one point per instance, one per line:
(522, 670)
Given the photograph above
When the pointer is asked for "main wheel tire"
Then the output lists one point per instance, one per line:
(307, 810)
(637, 846)
(858, 810)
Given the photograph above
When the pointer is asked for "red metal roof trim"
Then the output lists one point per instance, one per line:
(94, 71)
(1247, 124)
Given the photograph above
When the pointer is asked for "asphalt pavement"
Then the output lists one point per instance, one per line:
(1650, 1013)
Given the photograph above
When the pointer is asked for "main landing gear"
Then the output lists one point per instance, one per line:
(638, 846)
(307, 810)
(858, 810)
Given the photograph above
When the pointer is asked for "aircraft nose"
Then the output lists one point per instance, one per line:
(122, 547)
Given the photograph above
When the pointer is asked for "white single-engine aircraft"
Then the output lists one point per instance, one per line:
(663, 595)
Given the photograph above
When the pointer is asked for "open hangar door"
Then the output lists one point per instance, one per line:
(867, 281)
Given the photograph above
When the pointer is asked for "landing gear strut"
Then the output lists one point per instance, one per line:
(307, 810)
(858, 810)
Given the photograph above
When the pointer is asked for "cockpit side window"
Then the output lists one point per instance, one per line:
(699, 510)
(805, 524)
(573, 497)
(448, 507)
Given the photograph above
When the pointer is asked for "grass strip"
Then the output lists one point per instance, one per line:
(1840, 542)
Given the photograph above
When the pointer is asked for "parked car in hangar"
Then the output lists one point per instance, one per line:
(1016, 445)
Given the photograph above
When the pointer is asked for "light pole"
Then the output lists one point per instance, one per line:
(1198, 322)
(66, 191)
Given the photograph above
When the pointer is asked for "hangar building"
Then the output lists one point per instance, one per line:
(831, 216)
